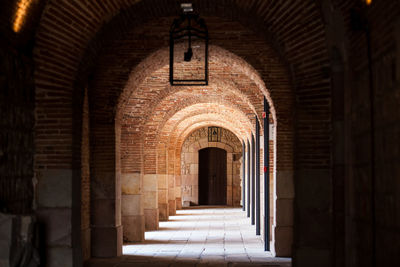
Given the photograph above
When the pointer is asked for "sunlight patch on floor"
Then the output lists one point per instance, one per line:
(209, 235)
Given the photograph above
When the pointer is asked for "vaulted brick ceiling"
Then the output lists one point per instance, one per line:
(101, 45)
(154, 101)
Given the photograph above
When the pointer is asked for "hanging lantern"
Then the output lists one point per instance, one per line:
(214, 134)
(188, 58)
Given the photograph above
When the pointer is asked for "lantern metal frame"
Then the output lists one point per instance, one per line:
(183, 27)
(214, 134)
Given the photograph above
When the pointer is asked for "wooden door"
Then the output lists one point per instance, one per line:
(212, 176)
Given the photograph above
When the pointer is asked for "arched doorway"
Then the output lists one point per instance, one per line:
(212, 176)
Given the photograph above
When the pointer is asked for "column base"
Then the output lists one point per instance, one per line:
(172, 207)
(151, 219)
(178, 203)
(133, 228)
(283, 241)
(163, 212)
(106, 241)
(85, 235)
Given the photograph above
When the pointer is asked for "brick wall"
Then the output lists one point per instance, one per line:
(17, 103)
(16, 123)
(372, 205)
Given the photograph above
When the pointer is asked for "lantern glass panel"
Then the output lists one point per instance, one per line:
(189, 51)
(192, 71)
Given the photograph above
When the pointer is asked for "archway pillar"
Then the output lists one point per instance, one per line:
(149, 189)
(283, 222)
(178, 180)
(171, 182)
(150, 195)
(162, 183)
(131, 184)
(229, 175)
(281, 188)
(178, 192)
(106, 234)
(132, 207)
(162, 180)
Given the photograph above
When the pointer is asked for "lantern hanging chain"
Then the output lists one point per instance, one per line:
(189, 53)
(190, 34)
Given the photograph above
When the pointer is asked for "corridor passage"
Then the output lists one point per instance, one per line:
(212, 236)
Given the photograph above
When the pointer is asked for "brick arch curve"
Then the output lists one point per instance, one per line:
(210, 119)
(195, 126)
(243, 124)
(185, 126)
(170, 99)
(218, 56)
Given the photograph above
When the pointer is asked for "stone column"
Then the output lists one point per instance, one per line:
(150, 202)
(162, 183)
(54, 212)
(171, 182)
(106, 238)
(229, 180)
(283, 223)
(236, 183)
(163, 197)
(189, 177)
(178, 191)
(281, 190)
(178, 180)
(171, 195)
(132, 207)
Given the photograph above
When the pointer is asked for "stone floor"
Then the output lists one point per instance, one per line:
(199, 237)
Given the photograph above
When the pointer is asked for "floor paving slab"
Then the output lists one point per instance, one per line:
(203, 236)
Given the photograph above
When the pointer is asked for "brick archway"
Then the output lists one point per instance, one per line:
(109, 61)
(140, 207)
(67, 63)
